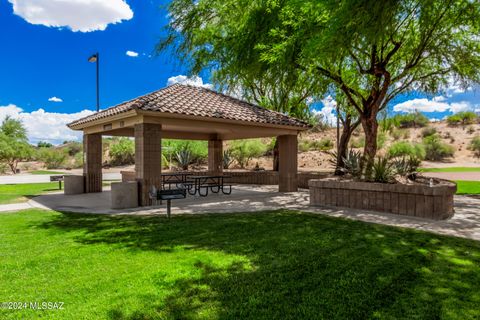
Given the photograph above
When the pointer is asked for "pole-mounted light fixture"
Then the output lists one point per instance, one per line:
(96, 58)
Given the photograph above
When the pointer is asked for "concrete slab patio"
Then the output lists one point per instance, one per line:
(248, 198)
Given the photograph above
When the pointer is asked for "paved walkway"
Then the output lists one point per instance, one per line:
(41, 178)
(465, 223)
(468, 176)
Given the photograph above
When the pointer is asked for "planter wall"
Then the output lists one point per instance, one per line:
(249, 177)
(422, 201)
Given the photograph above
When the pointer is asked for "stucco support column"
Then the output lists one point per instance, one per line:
(215, 156)
(148, 159)
(92, 166)
(287, 154)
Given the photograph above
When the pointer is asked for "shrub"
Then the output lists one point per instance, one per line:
(3, 168)
(244, 150)
(304, 145)
(462, 117)
(411, 120)
(78, 160)
(357, 143)
(381, 139)
(52, 158)
(318, 122)
(435, 149)
(198, 149)
(428, 131)
(43, 144)
(475, 146)
(74, 148)
(122, 152)
(323, 144)
(406, 149)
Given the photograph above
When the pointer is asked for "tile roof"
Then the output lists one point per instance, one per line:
(198, 102)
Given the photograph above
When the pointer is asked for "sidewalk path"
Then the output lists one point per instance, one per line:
(15, 207)
(41, 178)
(468, 176)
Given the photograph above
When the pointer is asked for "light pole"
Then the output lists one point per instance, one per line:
(96, 58)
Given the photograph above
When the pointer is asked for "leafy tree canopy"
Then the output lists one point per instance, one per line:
(369, 50)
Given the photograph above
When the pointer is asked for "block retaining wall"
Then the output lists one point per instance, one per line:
(422, 201)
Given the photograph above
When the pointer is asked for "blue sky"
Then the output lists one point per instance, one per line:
(46, 44)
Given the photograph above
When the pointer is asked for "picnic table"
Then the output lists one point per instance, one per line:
(215, 183)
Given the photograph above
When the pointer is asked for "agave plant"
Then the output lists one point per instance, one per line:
(183, 158)
(406, 167)
(383, 170)
(354, 163)
(227, 159)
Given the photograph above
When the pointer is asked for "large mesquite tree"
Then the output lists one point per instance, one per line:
(206, 35)
(371, 51)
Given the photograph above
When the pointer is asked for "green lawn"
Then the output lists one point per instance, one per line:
(45, 172)
(451, 169)
(273, 265)
(14, 193)
(468, 187)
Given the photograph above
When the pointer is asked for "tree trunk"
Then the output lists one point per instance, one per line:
(370, 127)
(276, 163)
(347, 131)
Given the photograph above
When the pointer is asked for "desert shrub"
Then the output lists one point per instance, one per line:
(462, 117)
(74, 148)
(77, 160)
(244, 150)
(318, 122)
(122, 152)
(381, 139)
(436, 150)
(323, 144)
(304, 145)
(406, 149)
(411, 120)
(475, 146)
(52, 158)
(470, 130)
(43, 144)
(428, 131)
(198, 149)
(357, 142)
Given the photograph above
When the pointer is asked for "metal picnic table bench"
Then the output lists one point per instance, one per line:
(215, 183)
(59, 179)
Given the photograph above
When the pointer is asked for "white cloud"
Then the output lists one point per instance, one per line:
(132, 54)
(193, 81)
(55, 99)
(328, 111)
(45, 126)
(77, 15)
(437, 104)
